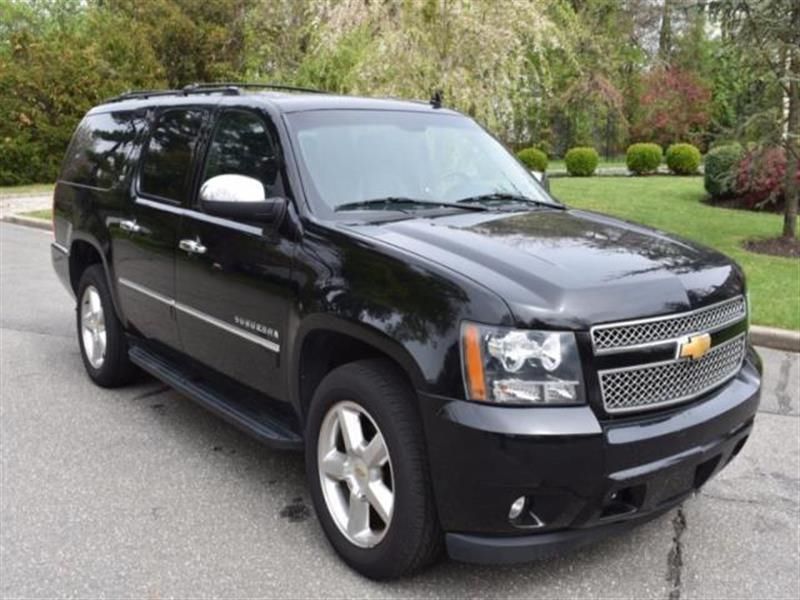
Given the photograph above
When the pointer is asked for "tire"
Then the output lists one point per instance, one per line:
(113, 368)
(412, 539)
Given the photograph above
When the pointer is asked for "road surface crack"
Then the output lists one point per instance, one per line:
(675, 555)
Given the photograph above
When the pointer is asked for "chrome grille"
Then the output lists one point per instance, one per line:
(616, 337)
(660, 384)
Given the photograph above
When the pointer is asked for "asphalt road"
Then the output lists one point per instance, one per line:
(140, 493)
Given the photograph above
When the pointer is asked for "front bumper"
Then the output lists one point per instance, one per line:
(585, 478)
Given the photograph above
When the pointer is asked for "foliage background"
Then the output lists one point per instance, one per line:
(547, 73)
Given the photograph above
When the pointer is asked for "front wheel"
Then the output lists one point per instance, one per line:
(368, 472)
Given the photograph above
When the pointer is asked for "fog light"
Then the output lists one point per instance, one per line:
(516, 508)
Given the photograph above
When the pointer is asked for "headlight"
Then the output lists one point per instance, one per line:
(515, 366)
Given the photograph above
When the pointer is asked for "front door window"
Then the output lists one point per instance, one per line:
(242, 145)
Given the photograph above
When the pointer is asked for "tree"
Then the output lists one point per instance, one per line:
(194, 40)
(278, 38)
(595, 111)
(598, 90)
(673, 107)
(57, 60)
(489, 58)
(769, 30)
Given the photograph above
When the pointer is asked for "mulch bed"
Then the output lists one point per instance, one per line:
(737, 203)
(775, 247)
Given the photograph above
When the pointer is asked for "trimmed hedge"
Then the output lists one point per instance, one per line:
(581, 161)
(683, 159)
(533, 158)
(721, 165)
(642, 159)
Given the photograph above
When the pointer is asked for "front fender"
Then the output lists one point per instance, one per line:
(407, 308)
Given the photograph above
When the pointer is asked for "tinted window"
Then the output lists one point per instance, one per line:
(168, 159)
(242, 145)
(99, 149)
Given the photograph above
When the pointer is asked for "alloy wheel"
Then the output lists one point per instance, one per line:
(355, 472)
(93, 327)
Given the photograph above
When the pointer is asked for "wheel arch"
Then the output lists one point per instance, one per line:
(325, 342)
(85, 251)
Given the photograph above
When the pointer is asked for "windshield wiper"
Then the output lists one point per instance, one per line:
(401, 203)
(506, 197)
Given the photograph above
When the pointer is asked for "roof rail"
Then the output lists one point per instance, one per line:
(130, 94)
(139, 94)
(256, 85)
(226, 88)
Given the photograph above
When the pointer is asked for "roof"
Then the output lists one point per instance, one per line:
(302, 102)
(285, 99)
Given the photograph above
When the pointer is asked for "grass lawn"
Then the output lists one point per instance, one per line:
(34, 188)
(673, 204)
(45, 214)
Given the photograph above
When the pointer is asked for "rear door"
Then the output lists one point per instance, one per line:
(147, 239)
(233, 294)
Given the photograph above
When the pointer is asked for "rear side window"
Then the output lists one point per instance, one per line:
(99, 149)
(167, 164)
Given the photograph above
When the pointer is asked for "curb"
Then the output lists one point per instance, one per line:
(563, 174)
(27, 222)
(18, 195)
(769, 337)
(777, 339)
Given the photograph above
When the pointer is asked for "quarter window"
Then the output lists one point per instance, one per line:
(99, 149)
(242, 145)
(167, 165)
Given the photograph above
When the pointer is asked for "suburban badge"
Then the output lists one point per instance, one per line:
(270, 332)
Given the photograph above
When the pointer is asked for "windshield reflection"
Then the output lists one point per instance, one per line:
(351, 156)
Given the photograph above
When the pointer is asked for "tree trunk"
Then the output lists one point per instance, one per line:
(792, 192)
(792, 145)
(665, 33)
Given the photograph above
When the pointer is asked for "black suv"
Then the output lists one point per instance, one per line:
(467, 363)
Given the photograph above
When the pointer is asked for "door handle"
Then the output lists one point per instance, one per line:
(192, 246)
(130, 226)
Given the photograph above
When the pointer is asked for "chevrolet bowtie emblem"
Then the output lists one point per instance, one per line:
(694, 346)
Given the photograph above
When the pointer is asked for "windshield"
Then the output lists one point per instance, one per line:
(354, 156)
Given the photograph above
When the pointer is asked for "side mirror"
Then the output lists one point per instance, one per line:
(240, 197)
(542, 178)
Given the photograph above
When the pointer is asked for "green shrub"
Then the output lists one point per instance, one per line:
(683, 159)
(643, 158)
(581, 161)
(21, 161)
(721, 166)
(534, 159)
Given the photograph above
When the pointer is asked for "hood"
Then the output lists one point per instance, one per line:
(568, 268)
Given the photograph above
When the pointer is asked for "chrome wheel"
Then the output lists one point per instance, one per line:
(93, 327)
(355, 472)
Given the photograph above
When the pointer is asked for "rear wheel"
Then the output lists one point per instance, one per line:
(368, 472)
(104, 348)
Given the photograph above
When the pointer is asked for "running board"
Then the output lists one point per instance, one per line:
(247, 412)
